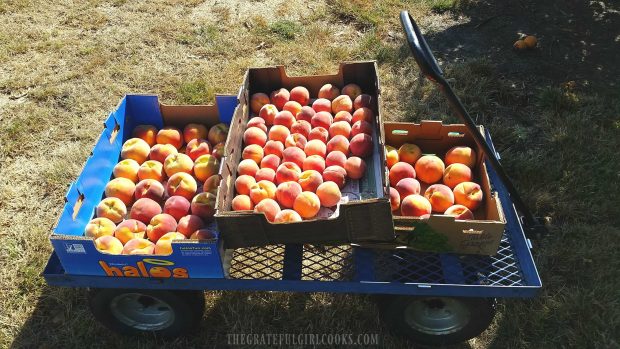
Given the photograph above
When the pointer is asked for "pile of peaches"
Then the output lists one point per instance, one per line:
(164, 189)
(449, 190)
(298, 153)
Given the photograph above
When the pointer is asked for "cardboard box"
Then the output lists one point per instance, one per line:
(441, 233)
(364, 215)
(77, 253)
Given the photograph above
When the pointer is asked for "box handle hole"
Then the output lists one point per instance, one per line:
(77, 206)
(456, 134)
(400, 132)
(114, 132)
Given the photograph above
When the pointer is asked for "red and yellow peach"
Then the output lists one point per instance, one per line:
(112, 208)
(429, 169)
(136, 149)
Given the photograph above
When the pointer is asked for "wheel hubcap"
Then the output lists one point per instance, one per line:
(142, 312)
(437, 316)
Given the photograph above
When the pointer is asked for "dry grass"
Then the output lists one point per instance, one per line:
(64, 65)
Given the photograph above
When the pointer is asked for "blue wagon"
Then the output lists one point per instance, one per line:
(431, 298)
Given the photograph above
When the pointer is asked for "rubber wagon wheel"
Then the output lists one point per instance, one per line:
(437, 320)
(164, 313)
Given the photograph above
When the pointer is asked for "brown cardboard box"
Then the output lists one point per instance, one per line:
(367, 217)
(441, 233)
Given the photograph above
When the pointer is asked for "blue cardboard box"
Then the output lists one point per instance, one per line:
(77, 253)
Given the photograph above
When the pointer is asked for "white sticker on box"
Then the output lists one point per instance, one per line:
(75, 248)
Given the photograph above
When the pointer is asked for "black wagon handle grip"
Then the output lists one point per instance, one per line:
(421, 52)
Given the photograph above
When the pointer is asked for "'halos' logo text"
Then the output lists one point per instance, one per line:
(148, 267)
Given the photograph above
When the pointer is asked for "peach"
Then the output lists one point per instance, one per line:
(121, 188)
(296, 140)
(253, 152)
(319, 133)
(300, 95)
(130, 229)
(461, 155)
(361, 145)
(127, 168)
(459, 212)
(468, 194)
(335, 174)
(212, 183)
(316, 147)
(342, 103)
(362, 101)
(355, 167)
(279, 97)
(136, 149)
(343, 116)
(399, 171)
(415, 206)
(361, 126)
(203, 206)
(394, 199)
(197, 147)
(440, 196)
(262, 190)
(177, 207)
(310, 180)
(329, 194)
(271, 161)
(306, 113)
(257, 122)
(254, 135)
(322, 104)
(342, 128)
(287, 172)
(179, 162)
(268, 207)
(314, 162)
(170, 135)
(292, 108)
(363, 114)
(164, 244)
(265, 174)
(322, 119)
(351, 90)
(218, 133)
(247, 167)
(160, 152)
(407, 186)
(279, 133)
(203, 234)
(287, 192)
(285, 118)
(108, 244)
(242, 203)
(193, 131)
(338, 143)
(189, 224)
(138, 246)
(148, 133)
(218, 151)
(268, 113)
(182, 184)
(150, 189)
(302, 127)
(336, 158)
(257, 101)
(409, 153)
(206, 166)
(429, 169)
(307, 204)
(294, 155)
(98, 227)
(286, 216)
(159, 225)
(391, 156)
(273, 147)
(144, 210)
(152, 169)
(112, 208)
(329, 91)
(243, 184)
(455, 174)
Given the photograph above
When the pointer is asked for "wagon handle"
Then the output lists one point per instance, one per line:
(429, 67)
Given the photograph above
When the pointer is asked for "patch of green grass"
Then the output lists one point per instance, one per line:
(196, 92)
(373, 46)
(556, 99)
(363, 14)
(285, 29)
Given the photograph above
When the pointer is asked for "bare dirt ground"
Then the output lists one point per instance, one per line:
(554, 113)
